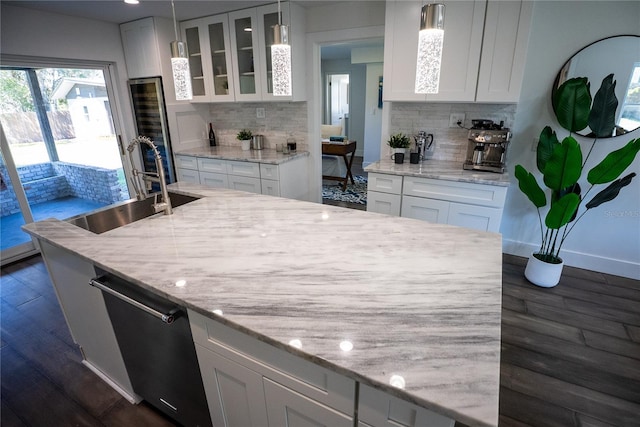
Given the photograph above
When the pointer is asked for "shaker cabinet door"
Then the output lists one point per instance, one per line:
(463, 26)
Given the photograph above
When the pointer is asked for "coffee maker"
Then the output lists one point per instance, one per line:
(487, 146)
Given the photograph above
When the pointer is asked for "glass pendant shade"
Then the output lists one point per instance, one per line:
(281, 61)
(181, 73)
(430, 41)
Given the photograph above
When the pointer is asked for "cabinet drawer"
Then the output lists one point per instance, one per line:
(477, 217)
(462, 192)
(385, 183)
(269, 171)
(216, 180)
(270, 187)
(186, 162)
(212, 165)
(309, 379)
(243, 183)
(378, 408)
(243, 169)
(188, 175)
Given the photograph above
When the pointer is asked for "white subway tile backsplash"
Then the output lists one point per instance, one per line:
(281, 121)
(451, 143)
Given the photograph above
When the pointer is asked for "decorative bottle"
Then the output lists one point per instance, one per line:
(212, 136)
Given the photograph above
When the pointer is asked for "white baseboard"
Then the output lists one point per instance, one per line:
(591, 262)
(132, 398)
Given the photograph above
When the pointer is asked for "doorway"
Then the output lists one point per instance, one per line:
(60, 155)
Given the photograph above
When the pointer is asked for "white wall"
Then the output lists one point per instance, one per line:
(33, 33)
(373, 116)
(608, 238)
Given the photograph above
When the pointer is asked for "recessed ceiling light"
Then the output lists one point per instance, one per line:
(131, 1)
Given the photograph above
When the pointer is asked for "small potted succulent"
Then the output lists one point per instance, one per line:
(399, 144)
(562, 166)
(244, 136)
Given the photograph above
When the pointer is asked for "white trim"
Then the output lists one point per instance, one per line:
(314, 94)
(132, 398)
(591, 262)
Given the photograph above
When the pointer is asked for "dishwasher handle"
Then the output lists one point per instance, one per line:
(167, 318)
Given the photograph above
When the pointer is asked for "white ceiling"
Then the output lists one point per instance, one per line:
(118, 12)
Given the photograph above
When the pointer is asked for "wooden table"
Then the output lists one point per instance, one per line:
(340, 149)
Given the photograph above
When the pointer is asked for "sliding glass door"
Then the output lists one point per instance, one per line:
(60, 151)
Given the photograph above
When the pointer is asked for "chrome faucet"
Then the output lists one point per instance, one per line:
(142, 181)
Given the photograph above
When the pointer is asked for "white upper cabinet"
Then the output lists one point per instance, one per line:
(244, 47)
(141, 48)
(463, 22)
(483, 54)
(504, 50)
(210, 64)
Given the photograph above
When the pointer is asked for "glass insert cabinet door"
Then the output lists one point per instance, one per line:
(244, 39)
(270, 20)
(195, 61)
(219, 59)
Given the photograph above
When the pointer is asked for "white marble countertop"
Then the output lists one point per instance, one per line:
(439, 169)
(416, 299)
(266, 155)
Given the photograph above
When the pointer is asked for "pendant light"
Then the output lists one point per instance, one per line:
(430, 41)
(180, 64)
(281, 59)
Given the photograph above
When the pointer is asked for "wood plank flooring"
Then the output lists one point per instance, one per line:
(570, 355)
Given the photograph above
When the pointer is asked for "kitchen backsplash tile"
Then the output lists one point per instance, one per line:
(451, 143)
(282, 120)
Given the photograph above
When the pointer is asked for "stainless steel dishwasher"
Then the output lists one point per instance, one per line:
(157, 347)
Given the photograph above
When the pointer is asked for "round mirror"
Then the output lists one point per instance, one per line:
(619, 55)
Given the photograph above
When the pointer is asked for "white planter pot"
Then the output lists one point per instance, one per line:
(246, 144)
(543, 274)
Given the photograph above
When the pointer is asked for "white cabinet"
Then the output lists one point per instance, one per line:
(86, 315)
(504, 50)
(230, 54)
(383, 193)
(463, 27)
(141, 48)
(288, 179)
(286, 407)
(471, 205)
(209, 58)
(465, 204)
(483, 55)
(379, 409)
(251, 383)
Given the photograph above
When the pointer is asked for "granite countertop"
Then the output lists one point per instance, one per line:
(439, 169)
(236, 153)
(416, 299)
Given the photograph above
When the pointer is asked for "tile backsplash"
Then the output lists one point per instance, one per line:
(281, 121)
(451, 143)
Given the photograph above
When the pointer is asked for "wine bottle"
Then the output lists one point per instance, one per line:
(212, 136)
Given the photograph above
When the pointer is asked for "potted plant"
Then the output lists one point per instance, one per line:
(399, 143)
(244, 136)
(562, 166)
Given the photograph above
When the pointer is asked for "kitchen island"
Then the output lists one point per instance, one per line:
(419, 303)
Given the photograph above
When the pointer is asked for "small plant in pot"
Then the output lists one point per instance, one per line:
(244, 136)
(562, 166)
(398, 143)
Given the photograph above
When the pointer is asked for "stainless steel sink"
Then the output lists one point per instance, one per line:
(124, 213)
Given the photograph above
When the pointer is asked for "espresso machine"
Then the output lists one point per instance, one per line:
(487, 146)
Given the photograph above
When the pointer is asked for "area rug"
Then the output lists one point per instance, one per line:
(355, 193)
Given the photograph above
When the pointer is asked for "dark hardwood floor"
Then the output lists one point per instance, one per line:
(570, 355)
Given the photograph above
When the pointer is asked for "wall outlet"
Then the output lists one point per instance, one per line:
(260, 113)
(454, 118)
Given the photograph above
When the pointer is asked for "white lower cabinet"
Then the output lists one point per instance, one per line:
(379, 409)
(251, 383)
(86, 315)
(465, 204)
(288, 179)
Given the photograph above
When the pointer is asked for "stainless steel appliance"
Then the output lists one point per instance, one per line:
(155, 340)
(487, 146)
(424, 144)
(150, 116)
